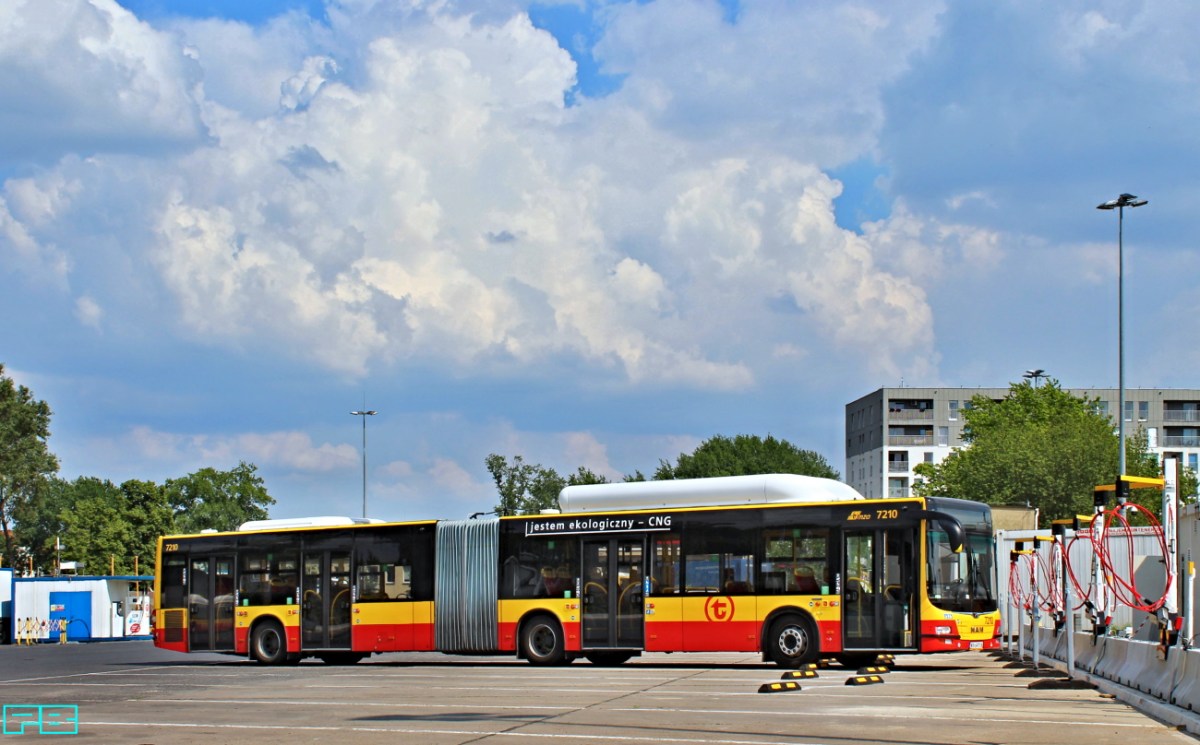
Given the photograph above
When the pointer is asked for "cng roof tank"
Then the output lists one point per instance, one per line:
(773, 488)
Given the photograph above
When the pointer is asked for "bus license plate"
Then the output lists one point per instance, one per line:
(976, 645)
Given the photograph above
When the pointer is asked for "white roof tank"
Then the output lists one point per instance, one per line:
(772, 488)
(306, 522)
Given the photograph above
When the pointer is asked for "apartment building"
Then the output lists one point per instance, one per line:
(891, 430)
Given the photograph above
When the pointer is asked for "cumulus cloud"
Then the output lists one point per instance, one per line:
(589, 452)
(89, 312)
(448, 475)
(89, 76)
(416, 188)
(801, 79)
(294, 450)
(769, 229)
(23, 251)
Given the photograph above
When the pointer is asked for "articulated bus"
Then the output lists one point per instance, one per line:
(792, 567)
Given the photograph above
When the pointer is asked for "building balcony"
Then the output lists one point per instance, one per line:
(898, 466)
(1180, 441)
(1181, 415)
(910, 440)
(910, 415)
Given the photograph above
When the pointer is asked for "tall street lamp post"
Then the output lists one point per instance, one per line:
(364, 414)
(1119, 204)
(1034, 375)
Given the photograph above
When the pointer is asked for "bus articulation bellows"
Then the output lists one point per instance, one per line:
(792, 567)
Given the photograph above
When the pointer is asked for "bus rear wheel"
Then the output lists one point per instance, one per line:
(268, 644)
(542, 641)
(792, 641)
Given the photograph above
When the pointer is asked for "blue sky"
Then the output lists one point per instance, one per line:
(588, 233)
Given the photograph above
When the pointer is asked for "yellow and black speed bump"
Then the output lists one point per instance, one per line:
(874, 670)
(810, 666)
(885, 659)
(822, 663)
(863, 680)
(793, 674)
(786, 685)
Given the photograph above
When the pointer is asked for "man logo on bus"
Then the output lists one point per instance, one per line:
(719, 608)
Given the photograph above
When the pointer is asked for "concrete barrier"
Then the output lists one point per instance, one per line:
(1185, 692)
(1179, 706)
(1136, 665)
(1159, 676)
(1087, 649)
(1109, 657)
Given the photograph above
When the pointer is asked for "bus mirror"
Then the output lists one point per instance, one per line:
(950, 524)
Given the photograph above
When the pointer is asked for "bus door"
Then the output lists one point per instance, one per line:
(210, 603)
(878, 589)
(613, 601)
(325, 600)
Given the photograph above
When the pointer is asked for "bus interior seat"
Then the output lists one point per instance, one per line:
(774, 582)
(806, 581)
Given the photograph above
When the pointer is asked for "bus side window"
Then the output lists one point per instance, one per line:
(664, 569)
(174, 578)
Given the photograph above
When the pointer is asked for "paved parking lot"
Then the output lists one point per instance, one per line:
(133, 693)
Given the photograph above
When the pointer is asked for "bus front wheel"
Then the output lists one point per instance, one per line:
(268, 644)
(792, 641)
(542, 641)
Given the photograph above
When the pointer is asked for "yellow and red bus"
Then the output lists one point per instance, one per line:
(792, 567)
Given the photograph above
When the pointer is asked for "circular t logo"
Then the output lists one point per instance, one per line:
(719, 608)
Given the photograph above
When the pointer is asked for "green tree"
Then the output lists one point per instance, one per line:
(25, 459)
(528, 488)
(91, 521)
(96, 530)
(218, 500)
(39, 524)
(150, 516)
(588, 476)
(745, 455)
(1040, 446)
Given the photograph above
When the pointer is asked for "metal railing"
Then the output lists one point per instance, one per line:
(1181, 415)
(1181, 441)
(910, 439)
(911, 415)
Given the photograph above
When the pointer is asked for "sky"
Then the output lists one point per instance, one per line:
(590, 233)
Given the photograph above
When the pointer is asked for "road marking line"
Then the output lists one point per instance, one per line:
(390, 704)
(859, 714)
(522, 734)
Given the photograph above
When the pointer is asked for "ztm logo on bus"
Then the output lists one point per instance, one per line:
(719, 608)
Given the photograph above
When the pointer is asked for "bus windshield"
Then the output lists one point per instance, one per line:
(961, 582)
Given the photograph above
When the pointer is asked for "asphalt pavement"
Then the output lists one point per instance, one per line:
(131, 692)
